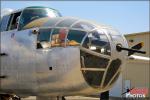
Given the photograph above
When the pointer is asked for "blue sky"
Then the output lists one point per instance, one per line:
(126, 16)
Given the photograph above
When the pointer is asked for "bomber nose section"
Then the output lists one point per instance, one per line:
(98, 67)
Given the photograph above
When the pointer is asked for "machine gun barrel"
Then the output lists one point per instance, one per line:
(120, 48)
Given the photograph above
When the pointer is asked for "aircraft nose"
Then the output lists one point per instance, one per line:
(99, 66)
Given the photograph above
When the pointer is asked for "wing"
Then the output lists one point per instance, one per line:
(139, 58)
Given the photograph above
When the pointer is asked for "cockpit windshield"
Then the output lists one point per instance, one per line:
(31, 14)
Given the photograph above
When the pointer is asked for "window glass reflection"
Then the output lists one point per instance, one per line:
(75, 37)
(84, 25)
(97, 41)
(43, 38)
(58, 37)
(67, 22)
(35, 14)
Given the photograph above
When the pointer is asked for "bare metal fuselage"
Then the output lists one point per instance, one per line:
(31, 71)
(57, 71)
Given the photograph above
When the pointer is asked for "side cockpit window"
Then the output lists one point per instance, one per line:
(10, 22)
(43, 39)
(14, 21)
(5, 22)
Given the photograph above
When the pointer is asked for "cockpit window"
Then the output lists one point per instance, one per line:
(58, 37)
(97, 41)
(84, 25)
(44, 35)
(31, 14)
(43, 39)
(5, 22)
(75, 37)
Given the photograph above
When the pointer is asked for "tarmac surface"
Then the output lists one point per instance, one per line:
(67, 98)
